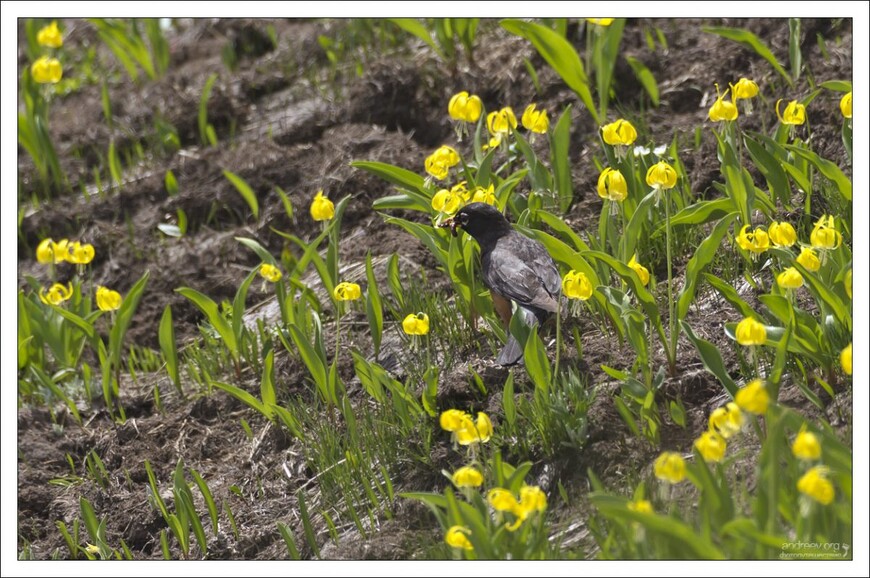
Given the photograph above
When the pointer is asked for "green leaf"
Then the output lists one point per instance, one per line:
(202, 115)
(123, 318)
(396, 175)
(289, 541)
(634, 227)
(239, 304)
(828, 169)
(560, 160)
(646, 78)
(751, 41)
(209, 500)
(212, 313)
(416, 28)
(267, 384)
(703, 256)
(246, 191)
(245, 397)
(837, 85)
(537, 363)
(559, 54)
(374, 307)
(263, 253)
(771, 168)
(711, 358)
(508, 404)
(730, 295)
(313, 361)
(166, 337)
(90, 520)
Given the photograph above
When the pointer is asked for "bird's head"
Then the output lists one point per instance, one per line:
(478, 220)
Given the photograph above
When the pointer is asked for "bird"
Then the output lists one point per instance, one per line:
(514, 268)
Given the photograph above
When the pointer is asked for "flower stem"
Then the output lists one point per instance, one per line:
(671, 351)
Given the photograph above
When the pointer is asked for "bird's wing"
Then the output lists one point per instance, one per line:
(521, 269)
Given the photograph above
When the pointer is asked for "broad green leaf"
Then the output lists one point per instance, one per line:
(396, 175)
(202, 114)
(214, 317)
(123, 317)
(287, 534)
(771, 168)
(508, 404)
(730, 295)
(263, 253)
(700, 213)
(416, 28)
(711, 358)
(312, 360)
(537, 363)
(705, 254)
(208, 498)
(374, 307)
(267, 383)
(837, 85)
(646, 78)
(830, 171)
(239, 304)
(246, 191)
(245, 397)
(166, 337)
(559, 53)
(634, 227)
(560, 160)
(751, 41)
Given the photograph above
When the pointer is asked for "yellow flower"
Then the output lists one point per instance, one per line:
(475, 432)
(642, 506)
(744, 88)
(641, 271)
(670, 467)
(790, 279)
(847, 283)
(756, 242)
(794, 114)
(467, 477)
(809, 260)
(620, 132)
(612, 185)
(46, 70)
(482, 195)
(535, 120)
(80, 254)
(452, 419)
(782, 234)
(108, 300)
(322, 208)
(825, 234)
(722, 110)
(846, 359)
(846, 105)
(726, 421)
(661, 176)
(601, 21)
(500, 123)
(445, 201)
(575, 285)
(806, 446)
(750, 332)
(416, 324)
(270, 272)
(464, 107)
(532, 499)
(438, 164)
(753, 398)
(457, 537)
(502, 500)
(711, 446)
(346, 291)
(50, 36)
(50, 252)
(91, 549)
(56, 294)
(817, 486)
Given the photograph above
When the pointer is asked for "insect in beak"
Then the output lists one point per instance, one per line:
(452, 224)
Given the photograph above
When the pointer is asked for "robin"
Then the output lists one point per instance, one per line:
(515, 269)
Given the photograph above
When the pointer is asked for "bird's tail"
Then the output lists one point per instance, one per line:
(512, 352)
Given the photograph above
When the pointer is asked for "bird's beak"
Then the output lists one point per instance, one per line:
(450, 223)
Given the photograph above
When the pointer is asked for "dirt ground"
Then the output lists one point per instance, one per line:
(277, 128)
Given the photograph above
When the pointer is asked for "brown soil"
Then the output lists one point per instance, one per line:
(278, 129)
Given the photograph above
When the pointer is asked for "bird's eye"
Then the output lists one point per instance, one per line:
(463, 218)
